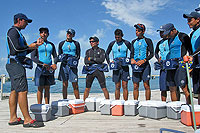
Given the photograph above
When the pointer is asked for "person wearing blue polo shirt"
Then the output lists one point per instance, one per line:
(161, 51)
(179, 45)
(141, 52)
(69, 48)
(17, 51)
(119, 48)
(193, 20)
(44, 78)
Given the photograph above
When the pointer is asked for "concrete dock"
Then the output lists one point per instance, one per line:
(94, 122)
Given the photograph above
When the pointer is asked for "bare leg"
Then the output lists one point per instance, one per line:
(86, 93)
(125, 89)
(47, 94)
(163, 95)
(147, 90)
(40, 94)
(136, 91)
(187, 94)
(76, 90)
(106, 94)
(173, 93)
(13, 106)
(23, 104)
(65, 86)
(117, 90)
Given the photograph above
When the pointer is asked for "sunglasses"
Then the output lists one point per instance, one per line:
(92, 41)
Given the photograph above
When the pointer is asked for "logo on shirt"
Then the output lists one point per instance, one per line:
(75, 63)
(136, 67)
(127, 59)
(194, 37)
(168, 63)
(112, 65)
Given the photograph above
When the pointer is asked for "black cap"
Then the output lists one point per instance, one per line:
(22, 16)
(197, 9)
(192, 15)
(44, 29)
(71, 31)
(140, 26)
(96, 39)
(166, 28)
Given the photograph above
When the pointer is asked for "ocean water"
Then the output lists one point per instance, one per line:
(57, 88)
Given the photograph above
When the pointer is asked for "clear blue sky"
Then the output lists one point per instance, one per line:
(92, 17)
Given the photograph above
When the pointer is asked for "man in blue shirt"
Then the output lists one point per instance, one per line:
(141, 52)
(119, 47)
(69, 48)
(193, 21)
(179, 45)
(17, 51)
(44, 72)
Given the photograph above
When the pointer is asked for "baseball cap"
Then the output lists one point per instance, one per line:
(22, 16)
(166, 28)
(44, 29)
(96, 39)
(140, 26)
(197, 9)
(71, 31)
(192, 15)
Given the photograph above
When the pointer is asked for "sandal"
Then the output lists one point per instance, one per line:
(18, 121)
(34, 124)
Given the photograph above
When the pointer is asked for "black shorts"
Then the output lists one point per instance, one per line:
(177, 77)
(196, 80)
(100, 77)
(121, 74)
(43, 80)
(17, 74)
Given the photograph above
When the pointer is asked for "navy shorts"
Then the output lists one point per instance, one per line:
(144, 75)
(196, 80)
(162, 81)
(121, 74)
(68, 73)
(177, 77)
(17, 74)
(43, 80)
(100, 77)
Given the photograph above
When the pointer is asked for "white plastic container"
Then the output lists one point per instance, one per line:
(40, 112)
(173, 109)
(117, 107)
(90, 104)
(130, 107)
(142, 108)
(60, 108)
(77, 106)
(105, 107)
(153, 109)
(98, 101)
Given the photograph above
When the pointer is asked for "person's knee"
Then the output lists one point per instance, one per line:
(104, 89)
(117, 86)
(136, 86)
(87, 89)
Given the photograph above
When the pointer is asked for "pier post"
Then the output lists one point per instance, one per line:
(3, 80)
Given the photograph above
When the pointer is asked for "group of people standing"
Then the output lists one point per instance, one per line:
(173, 48)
